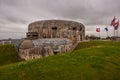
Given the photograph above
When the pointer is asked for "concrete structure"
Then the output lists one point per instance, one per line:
(5, 41)
(50, 37)
(115, 38)
(31, 49)
(56, 29)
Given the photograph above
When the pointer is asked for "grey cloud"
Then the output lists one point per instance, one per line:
(90, 12)
(16, 20)
(93, 11)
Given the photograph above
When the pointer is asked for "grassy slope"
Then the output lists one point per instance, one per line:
(98, 60)
(8, 54)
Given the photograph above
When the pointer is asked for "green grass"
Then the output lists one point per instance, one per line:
(8, 54)
(94, 60)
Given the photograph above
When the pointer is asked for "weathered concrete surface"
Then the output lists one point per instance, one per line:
(56, 29)
(30, 49)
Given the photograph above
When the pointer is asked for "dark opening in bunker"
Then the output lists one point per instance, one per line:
(74, 28)
(55, 53)
(28, 35)
(54, 28)
(35, 35)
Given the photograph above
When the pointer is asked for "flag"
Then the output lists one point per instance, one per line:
(106, 29)
(113, 21)
(116, 25)
(97, 29)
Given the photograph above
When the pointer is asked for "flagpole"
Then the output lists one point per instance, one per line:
(117, 33)
(114, 31)
(99, 34)
(106, 29)
(98, 30)
(118, 28)
(107, 33)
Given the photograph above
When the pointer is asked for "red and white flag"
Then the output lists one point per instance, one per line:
(113, 22)
(97, 29)
(116, 25)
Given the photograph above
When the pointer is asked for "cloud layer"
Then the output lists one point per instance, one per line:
(15, 15)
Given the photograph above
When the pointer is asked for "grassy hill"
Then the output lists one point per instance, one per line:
(8, 54)
(94, 60)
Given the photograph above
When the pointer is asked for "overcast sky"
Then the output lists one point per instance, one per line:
(15, 15)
